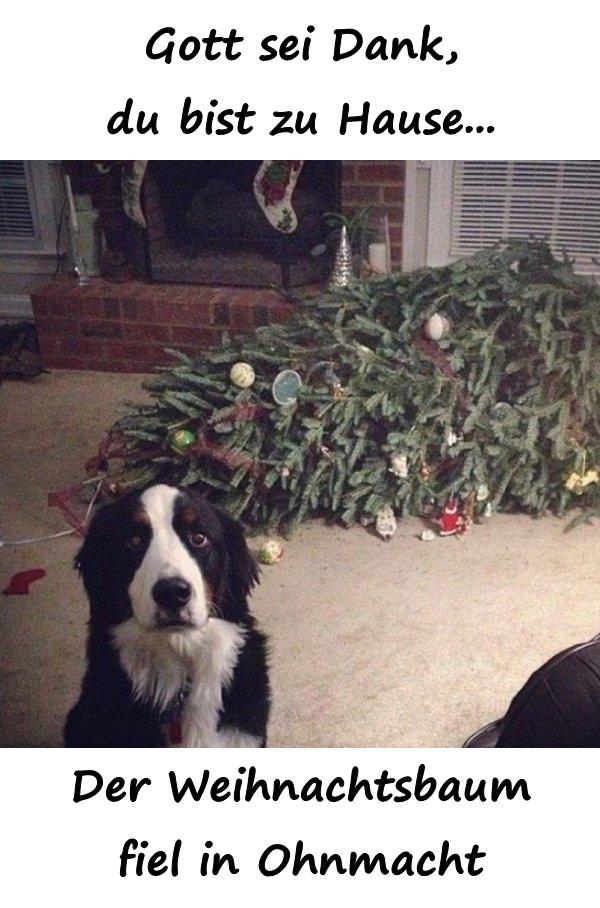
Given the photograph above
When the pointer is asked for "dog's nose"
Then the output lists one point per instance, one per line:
(172, 593)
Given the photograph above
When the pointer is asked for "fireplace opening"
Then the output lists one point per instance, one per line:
(206, 226)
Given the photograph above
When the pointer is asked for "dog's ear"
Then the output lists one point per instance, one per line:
(90, 558)
(242, 569)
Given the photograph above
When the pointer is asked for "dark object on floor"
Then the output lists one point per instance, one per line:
(19, 351)
(20, 583)
(559, 706)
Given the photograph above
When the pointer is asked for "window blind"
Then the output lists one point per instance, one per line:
(554, 200)
(16, 216)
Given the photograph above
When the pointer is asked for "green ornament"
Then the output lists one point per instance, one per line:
(270, 552)
(181, 440)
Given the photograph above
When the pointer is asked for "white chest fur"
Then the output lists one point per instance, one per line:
(161, 663)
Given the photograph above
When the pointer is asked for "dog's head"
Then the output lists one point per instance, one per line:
(166, 558)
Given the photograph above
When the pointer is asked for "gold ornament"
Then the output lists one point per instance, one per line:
(425, 471)
(578, 482)
(242, 375)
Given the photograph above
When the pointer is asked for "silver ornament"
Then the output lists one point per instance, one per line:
(385, 523)
(343, 270)
(483, 492)
(436, 327)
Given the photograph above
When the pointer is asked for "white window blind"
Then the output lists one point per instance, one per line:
(554, 200)
(16, 215)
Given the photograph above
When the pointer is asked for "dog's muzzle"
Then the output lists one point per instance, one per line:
(172, 596)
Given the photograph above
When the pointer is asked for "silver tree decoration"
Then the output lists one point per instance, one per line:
(343, 270)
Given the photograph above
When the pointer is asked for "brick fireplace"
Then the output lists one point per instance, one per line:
(123, 324)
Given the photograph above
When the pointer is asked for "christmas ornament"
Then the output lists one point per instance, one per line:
(285, 472)
(451, 438)
(436, 327)
(455, 520)
(502, 412)
(20, 583)
(427, 535)
(385, 523)
(483, 493)
(578, 482)
(487, 511)
(270, 552)
(424, 471)
(399, 465)
(450, 520)
(181, 440)
(242, 375)
(342, 266)
(285, 387)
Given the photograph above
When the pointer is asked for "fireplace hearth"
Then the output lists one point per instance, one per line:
(205, 225)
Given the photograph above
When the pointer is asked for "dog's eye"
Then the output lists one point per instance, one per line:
(199, 540)
(133, 542)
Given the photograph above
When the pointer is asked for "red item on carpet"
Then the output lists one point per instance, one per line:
(20, 583)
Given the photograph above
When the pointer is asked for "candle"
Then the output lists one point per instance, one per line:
(378, 257)
(71, 203)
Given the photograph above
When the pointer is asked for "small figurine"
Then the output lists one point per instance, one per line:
(385, 523)
(450, 520)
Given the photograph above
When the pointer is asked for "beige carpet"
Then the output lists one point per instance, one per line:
(373, 644)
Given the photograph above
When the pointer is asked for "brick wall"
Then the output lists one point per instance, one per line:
(124, 327)
(380, 183)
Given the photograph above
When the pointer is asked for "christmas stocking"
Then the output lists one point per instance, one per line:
(274, 186)
(132, 177)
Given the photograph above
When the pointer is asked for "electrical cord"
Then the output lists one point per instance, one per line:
(13, 543)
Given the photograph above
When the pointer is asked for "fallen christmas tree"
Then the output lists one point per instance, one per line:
(477, 381)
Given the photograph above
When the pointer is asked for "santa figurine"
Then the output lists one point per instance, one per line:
(450, 520)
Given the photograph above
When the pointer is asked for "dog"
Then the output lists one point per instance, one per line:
(173, 654)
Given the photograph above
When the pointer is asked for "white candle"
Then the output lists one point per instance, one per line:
(71, 203)
(378, 258)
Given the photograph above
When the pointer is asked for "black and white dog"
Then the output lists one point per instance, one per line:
(173, 654)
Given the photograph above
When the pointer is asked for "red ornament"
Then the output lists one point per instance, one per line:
(450, 520)
(456, 520)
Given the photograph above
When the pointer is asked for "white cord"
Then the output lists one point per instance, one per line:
(4, 543)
